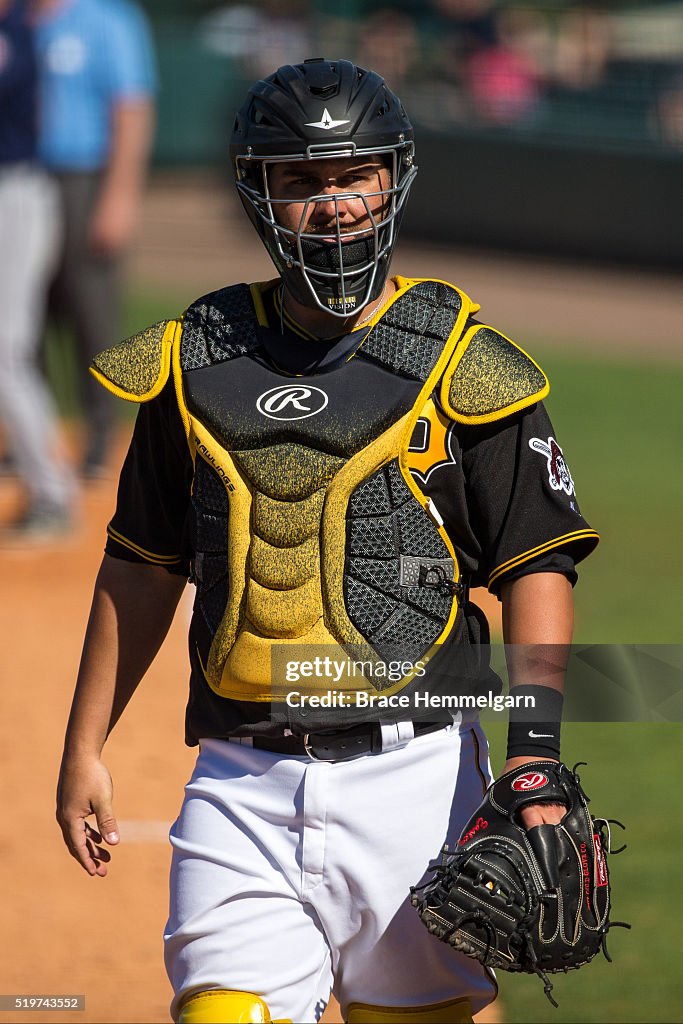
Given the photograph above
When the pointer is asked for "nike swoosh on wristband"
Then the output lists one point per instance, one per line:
(541, 735)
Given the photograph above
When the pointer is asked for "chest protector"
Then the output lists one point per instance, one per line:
(312, 538)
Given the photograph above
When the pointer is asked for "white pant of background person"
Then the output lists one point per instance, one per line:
(30, 231)
(288, 871)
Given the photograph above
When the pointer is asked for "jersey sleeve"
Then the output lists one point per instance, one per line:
(151, 521)
(130, 64)
(522, 500)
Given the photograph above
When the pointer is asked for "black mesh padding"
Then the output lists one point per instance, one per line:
(372, 537)
(412, 333)
(211, 532)
(218, 327)
(381, 609)
(213, 569)
(371, 498)
(404, 353)
(415, 534)
(415, 316)
(442, 323)
(398, 488)
(406, 637)
(435, 601)
(212, 603)
(193, 351)
(209, 491)
(368, 606)
(382, 575)
(210, 507)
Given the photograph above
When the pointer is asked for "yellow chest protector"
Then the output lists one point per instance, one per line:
(312, 536)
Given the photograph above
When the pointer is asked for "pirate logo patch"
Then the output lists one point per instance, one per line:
(559, 477)
(430, 445)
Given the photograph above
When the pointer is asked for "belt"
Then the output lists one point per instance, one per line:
(343, 745)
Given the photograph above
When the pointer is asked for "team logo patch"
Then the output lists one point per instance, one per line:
(530, 780)
(559, 477)
(292, 402)
(430, 445)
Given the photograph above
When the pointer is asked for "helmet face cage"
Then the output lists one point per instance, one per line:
(325, 110)
(346, 277)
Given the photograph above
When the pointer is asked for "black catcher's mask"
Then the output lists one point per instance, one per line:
(324, 110)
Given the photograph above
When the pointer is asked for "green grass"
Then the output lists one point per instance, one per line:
(620, 423)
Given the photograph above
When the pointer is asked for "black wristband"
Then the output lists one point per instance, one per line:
(534, 730)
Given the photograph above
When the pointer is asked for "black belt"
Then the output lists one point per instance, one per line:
(337, 746)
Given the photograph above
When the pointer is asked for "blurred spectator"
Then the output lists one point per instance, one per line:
(260, 37)
(388, 40)
(503, 80)
(98, 81)
(489, 59)
(668, 113)
(584, 43)
(29, 228)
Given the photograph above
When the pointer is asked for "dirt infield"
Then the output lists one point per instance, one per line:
(68, 934)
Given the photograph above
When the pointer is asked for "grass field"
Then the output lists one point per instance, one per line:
(620, 423)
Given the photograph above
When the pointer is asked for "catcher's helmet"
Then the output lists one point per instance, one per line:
(321, 110)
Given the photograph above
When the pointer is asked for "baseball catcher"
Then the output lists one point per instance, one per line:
(535, 900)
(334, 458)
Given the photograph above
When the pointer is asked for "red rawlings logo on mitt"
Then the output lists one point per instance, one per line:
(530, 780)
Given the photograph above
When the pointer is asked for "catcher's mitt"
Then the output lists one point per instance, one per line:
(535, 901)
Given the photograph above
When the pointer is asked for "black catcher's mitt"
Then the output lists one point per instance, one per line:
(536, 901)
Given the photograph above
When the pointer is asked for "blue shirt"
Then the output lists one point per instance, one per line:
(93, 54)
(18, 83)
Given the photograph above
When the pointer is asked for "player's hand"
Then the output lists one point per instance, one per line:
(85, 788)
(536, 814)
(113, 222)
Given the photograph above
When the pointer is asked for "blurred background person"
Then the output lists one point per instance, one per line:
(389, 39)
(29, 231)
(97, 100)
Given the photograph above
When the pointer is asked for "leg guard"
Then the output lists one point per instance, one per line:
(454, 1011)
(220, 1006)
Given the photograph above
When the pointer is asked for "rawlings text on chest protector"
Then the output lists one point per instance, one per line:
(309, 534)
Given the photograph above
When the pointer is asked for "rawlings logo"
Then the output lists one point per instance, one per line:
(291, 402)
(479, 825)
(530, 780)
(600, 862)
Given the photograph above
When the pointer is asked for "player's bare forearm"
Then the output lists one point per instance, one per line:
(131, 612)
(538, 619)
(115, 214)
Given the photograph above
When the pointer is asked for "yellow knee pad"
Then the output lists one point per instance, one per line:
(453, 1011)
(221, 1006)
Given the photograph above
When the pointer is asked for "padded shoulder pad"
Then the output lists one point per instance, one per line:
(137, 369)
(218, 327)
(489, 378)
